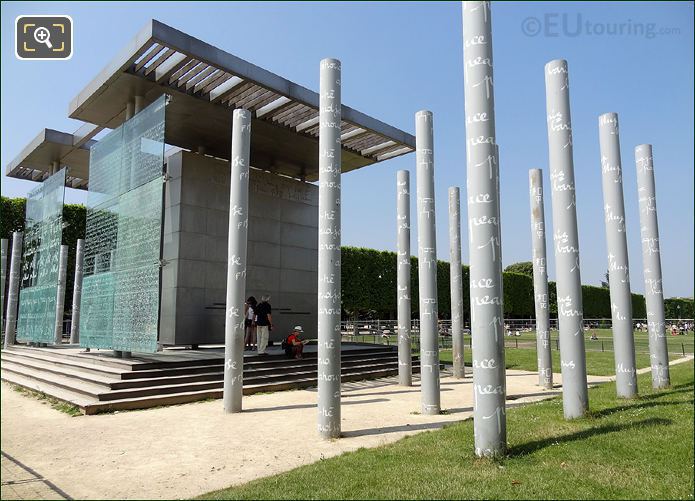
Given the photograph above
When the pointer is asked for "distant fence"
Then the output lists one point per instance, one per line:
(521, 334)
(518, 334)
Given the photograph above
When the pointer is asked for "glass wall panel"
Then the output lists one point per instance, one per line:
(120, 299)
(43, 230)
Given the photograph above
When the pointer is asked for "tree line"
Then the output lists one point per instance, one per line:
(369, 290)
(369, 278)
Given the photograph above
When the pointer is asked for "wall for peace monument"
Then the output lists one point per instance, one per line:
(282, 249)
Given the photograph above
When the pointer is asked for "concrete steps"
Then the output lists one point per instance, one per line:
(97, 383)
(134, 379)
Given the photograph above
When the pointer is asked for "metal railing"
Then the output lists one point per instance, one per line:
(518, 334)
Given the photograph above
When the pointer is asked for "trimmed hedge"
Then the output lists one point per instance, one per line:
(11, 216)
(369, 291)
(369, 278)
(672, 310)
(518, 295)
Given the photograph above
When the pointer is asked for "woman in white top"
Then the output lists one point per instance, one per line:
(249, 323)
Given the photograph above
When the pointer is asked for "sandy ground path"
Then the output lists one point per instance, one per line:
(183, 451)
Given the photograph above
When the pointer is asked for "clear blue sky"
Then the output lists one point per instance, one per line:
(399, 58)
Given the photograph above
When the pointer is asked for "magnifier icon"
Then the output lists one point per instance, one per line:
(42, 35)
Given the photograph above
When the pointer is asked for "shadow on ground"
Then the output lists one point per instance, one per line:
(531, 447)
(308, 406)
(393, 429)
(20, 484)
(639, 405)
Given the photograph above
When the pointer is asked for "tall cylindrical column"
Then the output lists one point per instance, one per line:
(405, 357)
(329, 250)
(618, 266)
(3, 276)
(77, 293)
(13, 290)
(575, 395)
(236, 261)
(456, 282)
(60, 294)
(651, 259)
(487, 323)
(427, 264)
(540, 280)
(139, 102)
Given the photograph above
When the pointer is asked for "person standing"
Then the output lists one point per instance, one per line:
(264, 323)
(250, 323)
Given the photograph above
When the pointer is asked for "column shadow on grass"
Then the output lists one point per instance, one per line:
(531, 447)
(639, 405)
(681, 388)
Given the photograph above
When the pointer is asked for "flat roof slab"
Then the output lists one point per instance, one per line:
(207, 84)
(34, 162)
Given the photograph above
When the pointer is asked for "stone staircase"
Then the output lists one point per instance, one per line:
(96, 383)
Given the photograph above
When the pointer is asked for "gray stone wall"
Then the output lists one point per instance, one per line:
(282, 250)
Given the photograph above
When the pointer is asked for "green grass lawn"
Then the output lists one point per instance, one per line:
(676, 344)
(597, 363)
(629, 449)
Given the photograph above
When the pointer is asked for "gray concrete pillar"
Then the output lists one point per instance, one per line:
(236, 261)
(456, 282)
(651, 259)
(575, 396)
(540, 280)
(618, 266)
(77, 293)
(129, 110)
(55, 166)
(487, 322)
(139, 104)
(427, 264)
(405, 357)
(13, 290)
(60, 294)
(3, 276)
(330, 113)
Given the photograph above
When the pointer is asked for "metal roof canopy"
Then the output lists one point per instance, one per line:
(34, 162)
(207, 83)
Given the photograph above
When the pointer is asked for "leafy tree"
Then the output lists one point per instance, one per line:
(522, 268)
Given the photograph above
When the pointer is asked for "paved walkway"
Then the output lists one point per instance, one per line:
(21, 482)
(183, 451)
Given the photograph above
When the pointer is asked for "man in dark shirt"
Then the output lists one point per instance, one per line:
(264, 323)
